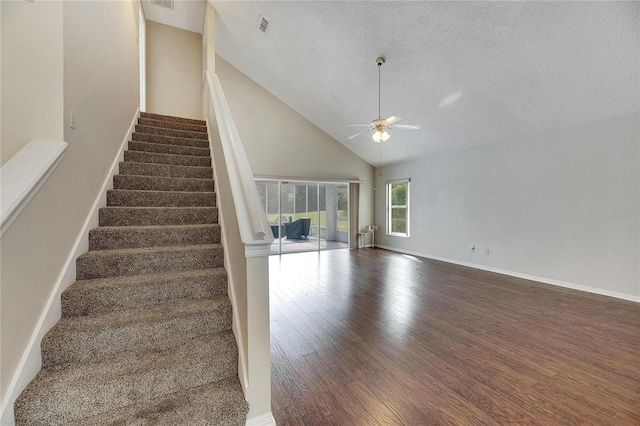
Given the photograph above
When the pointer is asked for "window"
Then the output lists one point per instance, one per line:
(398, 208)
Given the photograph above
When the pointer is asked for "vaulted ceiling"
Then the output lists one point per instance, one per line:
(469, 73)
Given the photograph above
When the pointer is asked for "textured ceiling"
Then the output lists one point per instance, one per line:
(468, 73)
(186, 14)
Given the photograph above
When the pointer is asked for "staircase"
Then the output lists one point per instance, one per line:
(145, 336)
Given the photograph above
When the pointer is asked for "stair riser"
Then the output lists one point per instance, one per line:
(168, 149)
(169, 140)
(160, 198)
(147, 263)
(154, 183)
(174, 133)
(159, 158)
(136, 388)
(150, 293)
(172, 125)
(161, 117)
(127, 216)
(146, 169)
(108, 238)
(92, 346)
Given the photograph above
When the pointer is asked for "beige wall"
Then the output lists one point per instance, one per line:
(101, 86)
(281, 143)
(31, 74)
(174, 71)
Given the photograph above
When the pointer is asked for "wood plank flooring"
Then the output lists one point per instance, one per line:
(372, 337)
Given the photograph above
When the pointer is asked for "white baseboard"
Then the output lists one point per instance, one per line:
(263, 420)
(31, 360)
(543, 280)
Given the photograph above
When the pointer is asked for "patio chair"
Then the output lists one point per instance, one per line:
(298, 230)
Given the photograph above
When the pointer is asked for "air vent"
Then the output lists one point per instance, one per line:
(167, 4)
(263, 24)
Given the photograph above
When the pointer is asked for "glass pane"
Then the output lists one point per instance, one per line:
(399, 194)
(296, 219)
(262, 192)
(343, 213)
(301, 199)
(399, 220)
(268, 191)
(287, 200)
(272, 201)
(312, 198)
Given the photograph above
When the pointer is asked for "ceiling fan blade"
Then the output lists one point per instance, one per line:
(406, 126)
(358, 134)
(358, 125)
(391, 120)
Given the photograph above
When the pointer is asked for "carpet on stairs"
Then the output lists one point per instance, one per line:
(145, 335)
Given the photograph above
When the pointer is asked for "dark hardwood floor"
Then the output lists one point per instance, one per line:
(372, 337)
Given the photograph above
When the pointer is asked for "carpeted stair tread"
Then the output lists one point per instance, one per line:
(216, 404)
(158, 183)
(61, 395)
(168, 149)
(145, 198)
(147, 260)
(166, 170)
(162, 117)
(92, 338)
(103, 295)
(118, 237)
(171, 159)
(169, 140)
(177, 133)
(172, 125)
(137, 216)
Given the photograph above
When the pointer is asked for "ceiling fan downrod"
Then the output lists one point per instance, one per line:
(379, 62)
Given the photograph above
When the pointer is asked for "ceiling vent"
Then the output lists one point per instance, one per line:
(167, 4)
(263, 24)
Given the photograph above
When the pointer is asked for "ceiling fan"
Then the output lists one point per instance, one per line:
(380, 125)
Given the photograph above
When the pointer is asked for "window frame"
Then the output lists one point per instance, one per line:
(389, 207)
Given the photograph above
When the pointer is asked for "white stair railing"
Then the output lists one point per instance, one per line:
(247, 239)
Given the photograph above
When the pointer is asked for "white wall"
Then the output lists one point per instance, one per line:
(174, 71)
(540, 205)
(101, 86)
(32, 71)
(281, 143)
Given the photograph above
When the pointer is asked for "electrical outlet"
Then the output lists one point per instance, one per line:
(72, 121)
(486, 251)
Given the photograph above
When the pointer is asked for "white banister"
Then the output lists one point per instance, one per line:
(255, 231)
(246, 239)
(24, 174)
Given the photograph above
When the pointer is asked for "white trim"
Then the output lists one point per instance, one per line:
(142, 57)
(24, 174)
(31, 360)
(291, 179)
(536, 278)
(257, 250)
(263, 420)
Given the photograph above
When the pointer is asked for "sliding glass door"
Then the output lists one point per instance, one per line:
(306, 216)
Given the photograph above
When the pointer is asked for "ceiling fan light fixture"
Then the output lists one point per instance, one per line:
(380, 136)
